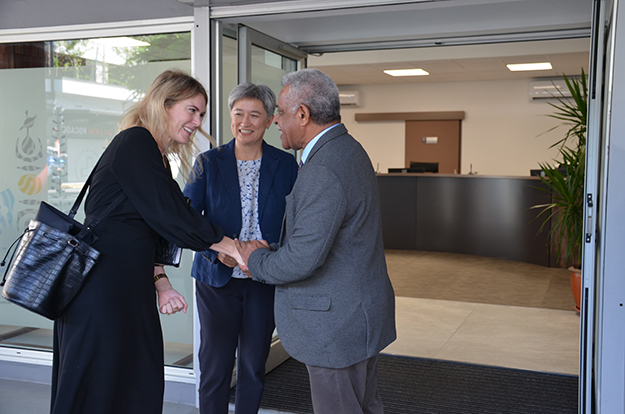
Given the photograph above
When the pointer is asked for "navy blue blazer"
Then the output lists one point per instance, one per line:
(216, 194)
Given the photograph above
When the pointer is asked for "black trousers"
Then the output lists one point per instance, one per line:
(236, 319)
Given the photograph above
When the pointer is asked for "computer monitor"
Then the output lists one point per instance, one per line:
(423, 167)
(398, 170)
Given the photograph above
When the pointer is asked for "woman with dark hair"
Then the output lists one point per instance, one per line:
(242, 187)
(108, 346)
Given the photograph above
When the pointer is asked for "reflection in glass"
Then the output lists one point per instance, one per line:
(228, 82)
(62, 101)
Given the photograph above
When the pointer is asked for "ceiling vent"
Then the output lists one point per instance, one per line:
(349, 98)
(548, 89)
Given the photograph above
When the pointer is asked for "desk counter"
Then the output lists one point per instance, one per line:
(467, 214)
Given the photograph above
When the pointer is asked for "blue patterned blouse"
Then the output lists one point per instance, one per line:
(249, 176)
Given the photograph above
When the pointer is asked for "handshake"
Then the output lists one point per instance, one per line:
(239, 253)
(229, 252)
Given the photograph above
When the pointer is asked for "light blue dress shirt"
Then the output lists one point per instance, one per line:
(313, 141)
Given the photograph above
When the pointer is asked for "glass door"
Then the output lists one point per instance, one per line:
(602, 359)
(249, 56)
(264, 60)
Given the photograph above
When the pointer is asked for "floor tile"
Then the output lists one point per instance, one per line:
(514, 337)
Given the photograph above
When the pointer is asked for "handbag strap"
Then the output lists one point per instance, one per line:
(83, 190)
(96, 220)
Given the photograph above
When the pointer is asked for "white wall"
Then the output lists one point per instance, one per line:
(499, 133)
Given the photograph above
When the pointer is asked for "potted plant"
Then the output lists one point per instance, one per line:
(564, 179)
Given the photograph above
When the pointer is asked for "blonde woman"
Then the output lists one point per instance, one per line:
(108, 346)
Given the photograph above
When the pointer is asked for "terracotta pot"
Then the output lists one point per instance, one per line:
(576, 286)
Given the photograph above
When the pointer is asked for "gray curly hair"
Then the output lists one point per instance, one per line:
(316, 90)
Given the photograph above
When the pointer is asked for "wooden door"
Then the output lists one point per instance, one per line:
(434, 141)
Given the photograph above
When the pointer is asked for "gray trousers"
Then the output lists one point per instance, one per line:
(351, 390)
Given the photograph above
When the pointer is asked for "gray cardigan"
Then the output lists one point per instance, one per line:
(335, 305)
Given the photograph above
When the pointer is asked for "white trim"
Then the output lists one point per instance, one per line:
(298, 6)
(44, 358)
(196, 345)
(82, 31)
(26, 356)
(480, 39)
(175, 374)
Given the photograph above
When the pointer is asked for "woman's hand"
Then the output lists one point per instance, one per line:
(169, 300)
(227, 247)
(232, 262)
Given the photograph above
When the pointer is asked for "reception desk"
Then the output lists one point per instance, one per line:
(468, 214)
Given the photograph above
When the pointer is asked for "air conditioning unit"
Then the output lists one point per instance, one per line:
(349, 98)
(548, 89)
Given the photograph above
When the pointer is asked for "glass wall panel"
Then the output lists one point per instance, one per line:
(228, 81)
(61, 104)
(267, 69)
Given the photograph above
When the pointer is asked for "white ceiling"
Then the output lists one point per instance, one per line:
(356, 24)
(454, 40)
(457, 63)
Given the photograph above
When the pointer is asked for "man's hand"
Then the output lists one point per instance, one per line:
(227, 260)
(246, 248)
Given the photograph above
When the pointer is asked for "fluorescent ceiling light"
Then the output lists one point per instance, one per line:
(406, 72)
(529, 66)
(120, 42)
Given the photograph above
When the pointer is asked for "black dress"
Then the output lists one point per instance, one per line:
(108, 346)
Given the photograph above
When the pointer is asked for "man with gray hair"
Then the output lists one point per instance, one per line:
(335, 306)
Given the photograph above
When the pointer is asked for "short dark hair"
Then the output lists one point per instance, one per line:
(250, 91)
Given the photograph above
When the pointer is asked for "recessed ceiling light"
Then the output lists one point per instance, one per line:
(529, 66)
(406, 72)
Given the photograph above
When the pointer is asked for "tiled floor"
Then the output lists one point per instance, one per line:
(509, 336)
(485, 311)
(526, 337)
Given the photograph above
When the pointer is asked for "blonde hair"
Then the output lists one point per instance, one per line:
(150, 113)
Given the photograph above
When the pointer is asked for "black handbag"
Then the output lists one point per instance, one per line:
(52, 259)
(168, 253)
